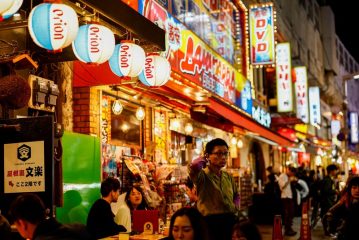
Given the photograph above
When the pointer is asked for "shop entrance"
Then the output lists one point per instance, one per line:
(257, 163)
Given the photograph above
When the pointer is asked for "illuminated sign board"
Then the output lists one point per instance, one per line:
(284, 78)
(261, 27)
(193, 59)
(245, 100)
(314, 105)
(261, 116)
(353, 117)
(301, 93)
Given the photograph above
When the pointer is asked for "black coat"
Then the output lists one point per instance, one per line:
(51, 229)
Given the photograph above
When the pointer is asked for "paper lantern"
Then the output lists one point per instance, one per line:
(128, 60)
(94, 44)
(14, 7)
(156, 72)
(5, 6)
(53, 26)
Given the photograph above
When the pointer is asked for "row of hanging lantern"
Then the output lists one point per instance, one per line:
(54, 26)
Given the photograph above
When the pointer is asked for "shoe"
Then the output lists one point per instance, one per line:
(290, 232)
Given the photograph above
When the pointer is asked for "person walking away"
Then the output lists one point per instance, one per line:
(218, 197)
(29, 215)
(100, 221)
(342, 219)
(288, 199)
(328, 192)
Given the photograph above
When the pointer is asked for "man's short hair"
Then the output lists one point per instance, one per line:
(213, 143)
(108, 185)
(331, 167)
(28, 207)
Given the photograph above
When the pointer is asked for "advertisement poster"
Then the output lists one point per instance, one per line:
(261, 32)
(24, 167)
(284, 78)
(245, 100)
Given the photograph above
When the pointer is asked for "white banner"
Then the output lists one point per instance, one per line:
(301, 93)
(354, 127)
(284, 78)
(314, 105)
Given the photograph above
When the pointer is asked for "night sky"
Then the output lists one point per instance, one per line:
(346, 24)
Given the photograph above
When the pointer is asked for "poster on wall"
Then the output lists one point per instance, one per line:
(24, 167)
(261, 34)
(301, 93)
(284, 78)
(245, 99)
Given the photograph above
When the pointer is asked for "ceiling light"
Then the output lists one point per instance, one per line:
(140, 113)
(117, 107)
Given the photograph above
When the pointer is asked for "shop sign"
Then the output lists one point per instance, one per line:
(193, 59)
(105, 119)
(245, 100)
(24, 167)
(353, 127)
(284, 78)
(314, 105)
(261, 27)
(261, 116)
(301, 93)
(335, 127)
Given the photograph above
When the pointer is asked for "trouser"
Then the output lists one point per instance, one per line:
(288, 212)
(220, 226)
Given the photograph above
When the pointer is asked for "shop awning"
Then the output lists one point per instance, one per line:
(241, 120)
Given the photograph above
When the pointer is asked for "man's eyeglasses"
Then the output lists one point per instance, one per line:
(221, 154)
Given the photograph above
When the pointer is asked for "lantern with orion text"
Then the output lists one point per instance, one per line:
(128, 59)
(156, 72)
(14, 7)
(94, 44)
(53, 26)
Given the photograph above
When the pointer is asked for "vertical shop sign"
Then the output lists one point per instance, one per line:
(24, 167)
(245, 102)
(353, 127)
(160, 136)
(261, 27)
(314, 105)
(261, 116)
(105, 119)
(284, 78)
(301, 93)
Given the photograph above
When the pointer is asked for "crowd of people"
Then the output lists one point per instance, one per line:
(213, 212)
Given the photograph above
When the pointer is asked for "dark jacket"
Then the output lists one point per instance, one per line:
(328, 193)
(100, 221)
(51, 229)
(343, 220)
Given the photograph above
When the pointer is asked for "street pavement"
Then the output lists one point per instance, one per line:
(316, 233)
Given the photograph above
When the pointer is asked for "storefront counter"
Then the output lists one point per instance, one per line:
(136, 237)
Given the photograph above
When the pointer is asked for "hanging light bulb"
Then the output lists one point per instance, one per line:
(117, 107)
(175, 124)
(140, 113)
(240, 143)
(234, 140)
(188, 128)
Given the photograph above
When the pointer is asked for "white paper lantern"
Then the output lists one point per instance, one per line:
(15, 6)
(94, 44)
(128, 60)
(156, 72)
(5, 5)
(53, 26)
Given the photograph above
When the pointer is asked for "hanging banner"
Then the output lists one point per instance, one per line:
(284, 78)
(261, 31)
(353, 125)
(24, 167)
(301, 93)
(314, 105)
(245, 99)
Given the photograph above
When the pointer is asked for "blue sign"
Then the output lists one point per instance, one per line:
(245, 100)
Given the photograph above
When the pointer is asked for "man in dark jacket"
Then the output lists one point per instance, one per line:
(29, 215)
(100, 221)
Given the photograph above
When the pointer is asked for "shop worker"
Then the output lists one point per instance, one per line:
(218, 198)
(100, 221)
(29, 215)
